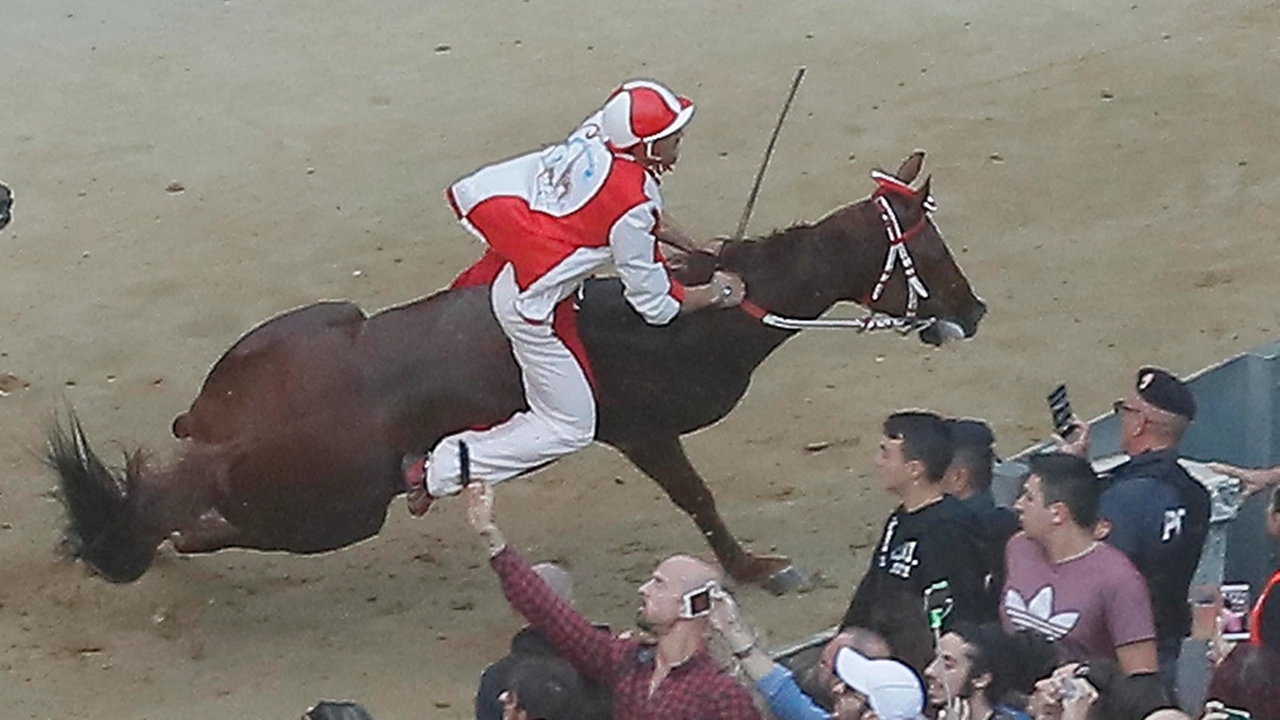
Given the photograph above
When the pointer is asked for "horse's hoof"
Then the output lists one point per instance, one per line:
(790, 579)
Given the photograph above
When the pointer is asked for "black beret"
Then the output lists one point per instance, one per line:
(1162, 389)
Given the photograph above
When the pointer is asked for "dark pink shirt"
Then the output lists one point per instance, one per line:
(1089, 605)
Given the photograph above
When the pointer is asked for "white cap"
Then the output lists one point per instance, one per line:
(893, 690)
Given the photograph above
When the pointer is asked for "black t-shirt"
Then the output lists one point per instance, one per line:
(996, 524)
(940, 541)
(1159, 516)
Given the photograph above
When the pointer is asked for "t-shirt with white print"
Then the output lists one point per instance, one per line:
(1089, 605)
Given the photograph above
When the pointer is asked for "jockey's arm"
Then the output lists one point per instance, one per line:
(675, 236)
(672, 234)
(648, 284)
(724, 290)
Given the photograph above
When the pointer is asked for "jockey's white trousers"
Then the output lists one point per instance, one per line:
(562, 409)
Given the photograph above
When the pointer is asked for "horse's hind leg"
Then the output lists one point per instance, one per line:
(664, 460)
(209, 533)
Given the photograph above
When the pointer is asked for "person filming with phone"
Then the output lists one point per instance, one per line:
(1151, 509)
(671, 676)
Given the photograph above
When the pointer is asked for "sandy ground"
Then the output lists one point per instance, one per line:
(1106, 171)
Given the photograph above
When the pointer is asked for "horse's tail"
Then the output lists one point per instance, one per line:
(100, 505)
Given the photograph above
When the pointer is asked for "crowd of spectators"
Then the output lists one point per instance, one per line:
(1072, 605)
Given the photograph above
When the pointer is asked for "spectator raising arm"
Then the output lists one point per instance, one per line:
(673, 676)
(1254, 479)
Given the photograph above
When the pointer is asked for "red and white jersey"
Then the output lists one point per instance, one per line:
(561, 213)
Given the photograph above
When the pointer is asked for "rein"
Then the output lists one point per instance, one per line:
(897, 254)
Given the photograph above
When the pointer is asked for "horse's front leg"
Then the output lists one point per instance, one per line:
(664, 460)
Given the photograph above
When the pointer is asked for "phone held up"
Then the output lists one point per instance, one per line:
(1064, 423)
(1236, 608)
(1071, 686)
(697, 603)
(937, 603)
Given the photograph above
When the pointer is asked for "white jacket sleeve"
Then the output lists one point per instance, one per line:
(647, 284)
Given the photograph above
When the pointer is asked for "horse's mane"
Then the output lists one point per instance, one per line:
(754, 254)
(791, 247)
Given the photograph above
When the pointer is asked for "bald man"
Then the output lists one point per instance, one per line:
(672, 676)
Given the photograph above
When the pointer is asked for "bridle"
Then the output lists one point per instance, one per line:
(898, 254)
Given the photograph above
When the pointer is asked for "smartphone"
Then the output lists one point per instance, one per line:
(937, 603)
(1060, 409)
(1073, 685)
(697, 603)
(1236, 607)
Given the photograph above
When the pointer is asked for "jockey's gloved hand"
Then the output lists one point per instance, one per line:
(729, 288)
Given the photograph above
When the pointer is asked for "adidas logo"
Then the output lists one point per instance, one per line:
(1038, 614)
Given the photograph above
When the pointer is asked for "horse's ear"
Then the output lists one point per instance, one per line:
(922, 191)
(910, 168)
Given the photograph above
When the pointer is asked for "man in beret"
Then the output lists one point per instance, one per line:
(1152, 510)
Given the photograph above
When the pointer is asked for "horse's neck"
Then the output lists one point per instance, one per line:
(802, 271)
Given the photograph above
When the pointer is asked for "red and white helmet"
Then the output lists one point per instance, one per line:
(641, 111)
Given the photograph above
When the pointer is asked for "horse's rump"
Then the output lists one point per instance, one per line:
(267, 368)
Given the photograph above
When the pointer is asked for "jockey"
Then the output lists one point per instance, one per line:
(550, 219)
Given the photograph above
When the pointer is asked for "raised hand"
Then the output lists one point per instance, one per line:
(957, 708)
(1076, 704)
(727, 621)
(1077, 443)
(479, 497)
(1254, 479)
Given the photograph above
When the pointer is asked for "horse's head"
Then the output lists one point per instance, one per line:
(918, 276)
(885, 253)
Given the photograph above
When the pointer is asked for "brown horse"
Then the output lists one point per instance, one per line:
(294, 443)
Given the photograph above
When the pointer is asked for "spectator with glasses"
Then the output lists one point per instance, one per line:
(1151, 509)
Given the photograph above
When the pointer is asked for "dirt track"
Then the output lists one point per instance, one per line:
(1107, 175)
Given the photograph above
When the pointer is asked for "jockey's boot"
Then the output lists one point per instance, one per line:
(414, 468)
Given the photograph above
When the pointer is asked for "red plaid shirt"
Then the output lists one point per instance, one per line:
(698, 689)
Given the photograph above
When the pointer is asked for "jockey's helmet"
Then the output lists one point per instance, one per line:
(642, 111)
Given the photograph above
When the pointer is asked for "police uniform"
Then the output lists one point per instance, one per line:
(1159, 517)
